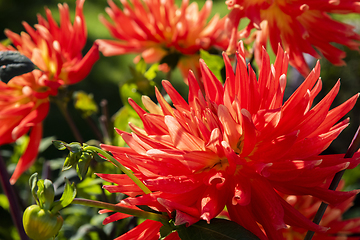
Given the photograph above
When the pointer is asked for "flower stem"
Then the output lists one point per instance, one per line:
(61, 102)
(122, 168)
(116, 208)
(335, 182)
(13, 201)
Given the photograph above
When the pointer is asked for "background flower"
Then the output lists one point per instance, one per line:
(339, 228)
(237, 146)
(23, 106)
(57, 52)
(160, 31)
(299, 26)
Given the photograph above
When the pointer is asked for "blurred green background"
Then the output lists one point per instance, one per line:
(103, 83)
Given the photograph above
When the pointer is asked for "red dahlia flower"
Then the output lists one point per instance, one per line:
(24, 104)
(238, 146)
(56, 51)
(338, 228)
(155, 29)
(301, 26)
(147, 230)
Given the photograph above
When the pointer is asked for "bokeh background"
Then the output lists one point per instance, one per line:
(104, 82)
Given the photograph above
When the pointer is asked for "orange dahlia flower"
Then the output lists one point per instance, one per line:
(156, 29)
(24, 104)
(57, 52)
(301, 26)
(236, 145)
(338, 228)
(147, 230)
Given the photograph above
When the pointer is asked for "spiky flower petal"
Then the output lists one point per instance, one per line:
(238, 146)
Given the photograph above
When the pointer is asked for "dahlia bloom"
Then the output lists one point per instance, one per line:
(236, 145)
(24, 104)
(301, 26)
(155, 29)
(56, 51)
(149, 229)
(338, 228)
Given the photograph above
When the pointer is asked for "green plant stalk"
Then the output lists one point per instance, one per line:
(122, 168)
(68, 119)
(16, 214)
(134, 212)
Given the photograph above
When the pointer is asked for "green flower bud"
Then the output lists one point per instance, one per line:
(41, 224)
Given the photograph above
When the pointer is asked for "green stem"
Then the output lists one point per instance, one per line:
(116, 208)
(62, 104)
(119, 165)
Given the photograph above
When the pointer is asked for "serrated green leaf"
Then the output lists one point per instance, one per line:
(218, 229)
(60, 145)
(214, 62)
(68, 194)
(74, 147)
(12, 64)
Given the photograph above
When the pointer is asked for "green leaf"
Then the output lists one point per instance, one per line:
(214, 62)
(83, 164)
(40, 193)
(45, 143)
(121, 121)
(85, 103)
(141, 66)
(32, 182)
(129, 90)
(74, 147)
(68, 194)
(70, 160)
(165, 230)
(60, 145)
(49, 193)
(12, 64)
(150, 74)
(98, 158)
(218, 229)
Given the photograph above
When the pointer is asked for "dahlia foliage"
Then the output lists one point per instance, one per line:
(235, 158)
(57, 52)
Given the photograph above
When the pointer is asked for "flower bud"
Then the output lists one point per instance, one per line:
(41, 224)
